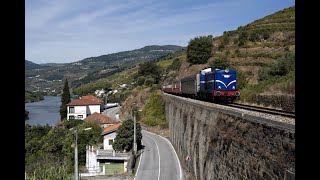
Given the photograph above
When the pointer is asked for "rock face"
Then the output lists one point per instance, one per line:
(285, 102)
(223, 146)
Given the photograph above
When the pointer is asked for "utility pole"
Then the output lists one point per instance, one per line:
(76, 156)
(134, 130)
(76, 171)
(134, 134)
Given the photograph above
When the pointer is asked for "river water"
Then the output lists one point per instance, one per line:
(44, 112)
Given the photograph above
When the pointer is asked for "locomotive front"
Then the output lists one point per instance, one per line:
(225, 85)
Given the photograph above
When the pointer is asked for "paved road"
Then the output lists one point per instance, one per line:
(111, 112)
(158, 152)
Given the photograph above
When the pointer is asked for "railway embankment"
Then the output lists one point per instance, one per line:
(218, 142)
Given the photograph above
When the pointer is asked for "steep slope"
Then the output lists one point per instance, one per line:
(259, 43)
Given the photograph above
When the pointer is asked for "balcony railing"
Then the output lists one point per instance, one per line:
(110, 153)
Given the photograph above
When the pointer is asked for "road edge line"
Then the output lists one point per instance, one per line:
(138, 164)
(173, 150)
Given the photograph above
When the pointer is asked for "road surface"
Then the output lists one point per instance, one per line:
(111, 112)
(158, 160)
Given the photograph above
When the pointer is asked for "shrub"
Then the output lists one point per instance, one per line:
(150, 69)
(284, 65)
(149, 81)
(241, 80)
(175, 64)
(141, 80)
(220, 63)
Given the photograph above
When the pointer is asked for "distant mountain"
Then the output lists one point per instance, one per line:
(49, 79)
(31, 65)
(131, 57)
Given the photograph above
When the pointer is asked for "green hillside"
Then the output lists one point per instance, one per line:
(262, 52)
(259, 43)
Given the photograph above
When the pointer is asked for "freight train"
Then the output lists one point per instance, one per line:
(209, 84)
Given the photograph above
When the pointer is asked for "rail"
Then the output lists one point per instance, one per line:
(263, 109)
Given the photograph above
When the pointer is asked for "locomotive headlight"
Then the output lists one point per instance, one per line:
(218, 93)
(233, 87)
(219, 87)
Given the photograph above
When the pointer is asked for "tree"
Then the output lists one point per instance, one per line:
(65, 99)
(175, 64)
(199, 49)
(124, 138)
(150, 69)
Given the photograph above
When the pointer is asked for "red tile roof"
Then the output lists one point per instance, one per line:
(100, 118)
(85, 100)
(111, 128)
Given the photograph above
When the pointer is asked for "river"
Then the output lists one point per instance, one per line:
(44, 112)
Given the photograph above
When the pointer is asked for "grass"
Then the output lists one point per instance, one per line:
(165, 63)
(113, 168)
(285, 84)
(153, 113)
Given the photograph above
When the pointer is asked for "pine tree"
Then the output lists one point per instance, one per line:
(65, 99)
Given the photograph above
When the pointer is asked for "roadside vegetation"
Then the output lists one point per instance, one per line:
(49, 151)
(153, 113)
(124, 138)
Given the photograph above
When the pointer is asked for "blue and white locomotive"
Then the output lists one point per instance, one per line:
(218, 84)
(208, 84)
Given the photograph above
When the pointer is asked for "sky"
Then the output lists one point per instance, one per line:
(63, 31)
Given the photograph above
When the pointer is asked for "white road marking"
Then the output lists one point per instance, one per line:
(173, 150)
(138, 164)
(158, 155)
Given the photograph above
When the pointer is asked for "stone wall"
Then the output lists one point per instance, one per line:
(225, 146)
(285, 102)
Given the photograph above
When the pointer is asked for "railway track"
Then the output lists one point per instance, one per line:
(263, 110)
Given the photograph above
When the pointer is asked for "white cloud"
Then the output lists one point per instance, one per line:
(70, 30)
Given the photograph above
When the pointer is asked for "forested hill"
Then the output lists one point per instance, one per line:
(30, 65)
(49, 79)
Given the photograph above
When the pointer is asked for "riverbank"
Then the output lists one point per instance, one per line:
(44, 112)
(30, 97)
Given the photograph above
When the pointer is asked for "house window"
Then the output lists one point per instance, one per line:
(80, 116)
(71, 117)
(71, 109)
(110, 141)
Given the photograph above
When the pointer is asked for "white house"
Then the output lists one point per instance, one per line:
(106, 161)
(83, 107)
(109, 134)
